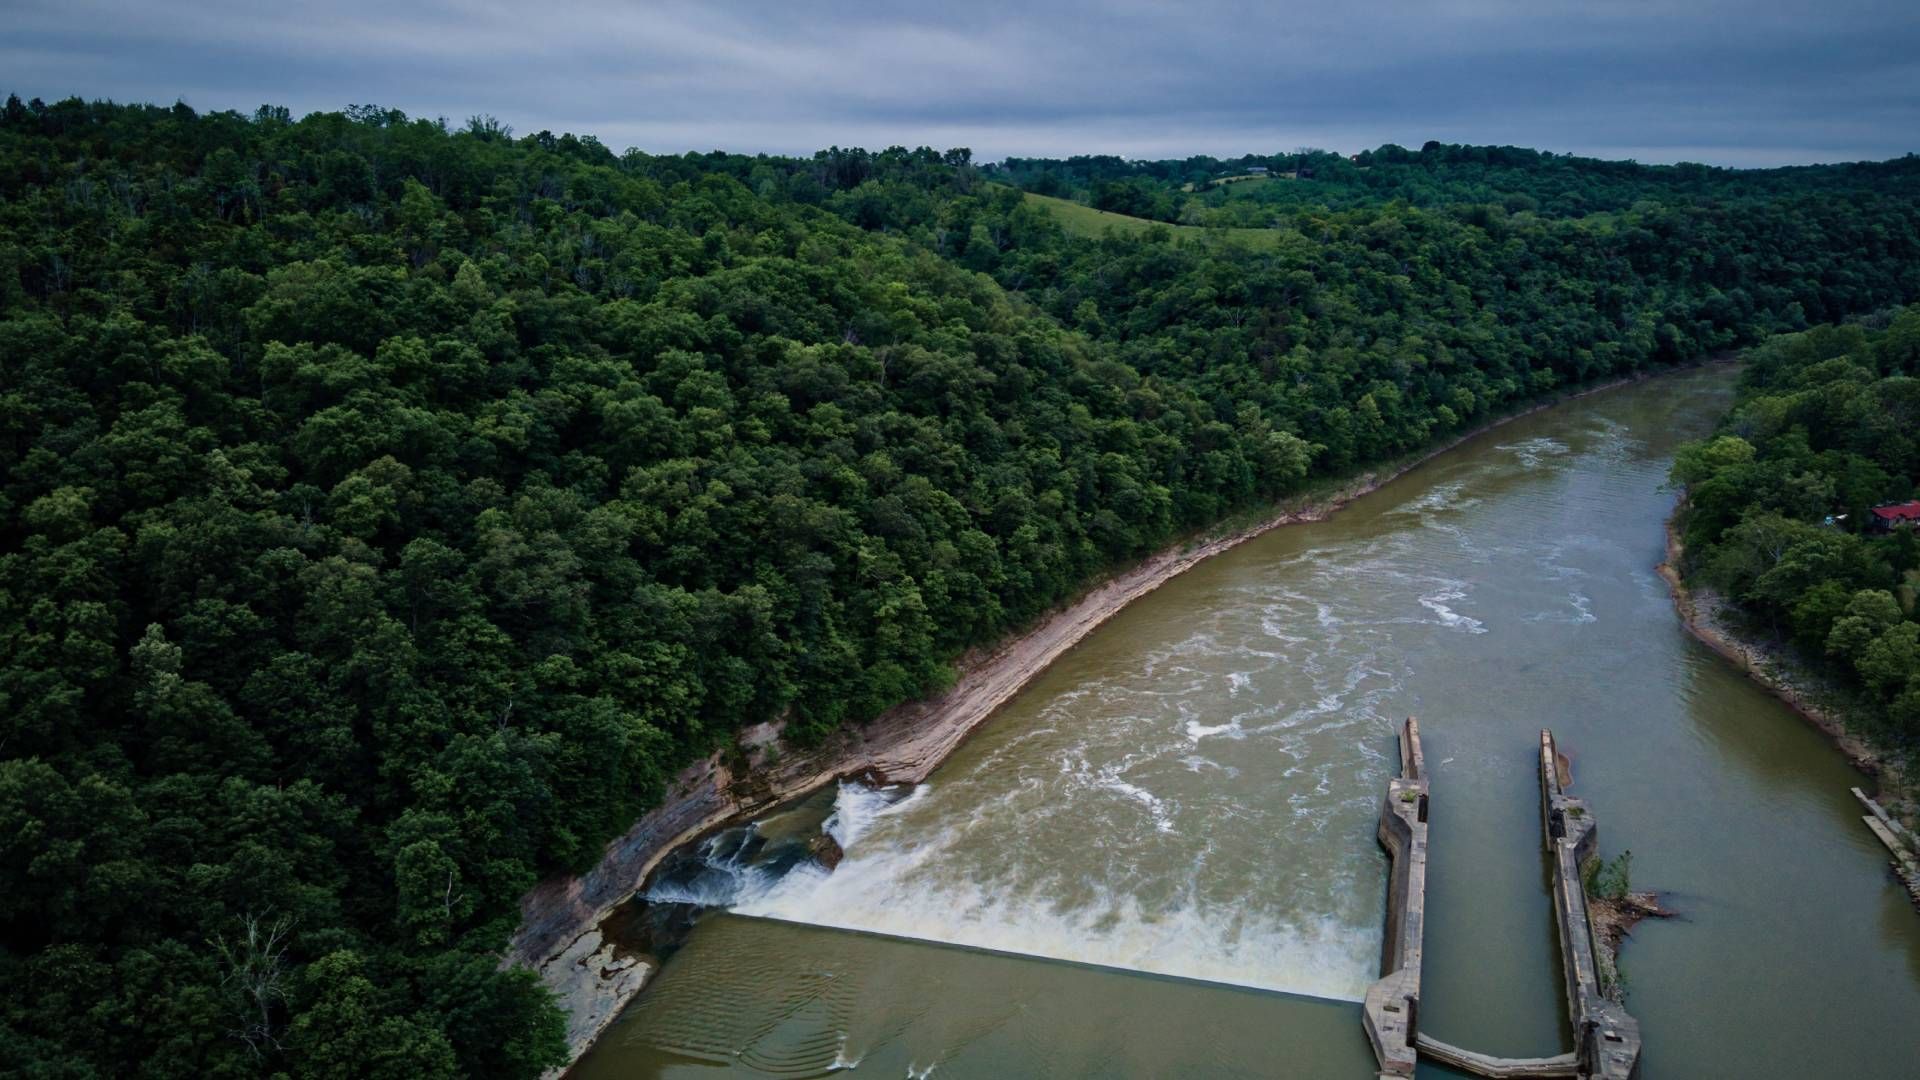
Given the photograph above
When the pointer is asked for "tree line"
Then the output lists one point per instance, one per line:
(1437, 176)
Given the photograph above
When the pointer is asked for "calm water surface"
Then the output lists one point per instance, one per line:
(1191, 795)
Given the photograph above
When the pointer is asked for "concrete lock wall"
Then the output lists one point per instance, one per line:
(1392, 1007)
(1606, 1038)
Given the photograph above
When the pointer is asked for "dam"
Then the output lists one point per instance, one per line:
(1194, 792)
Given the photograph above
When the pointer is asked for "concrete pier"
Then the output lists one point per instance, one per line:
(1606, 1039)
(1392, 1006)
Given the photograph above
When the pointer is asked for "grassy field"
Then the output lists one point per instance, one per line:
(1245, 180)
(1238, 186)
(1086, 221)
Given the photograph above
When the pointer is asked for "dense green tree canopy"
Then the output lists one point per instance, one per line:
(1780, 507)
(1473, 180)
(387, 510)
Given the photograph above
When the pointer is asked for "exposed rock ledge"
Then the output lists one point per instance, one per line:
(560, 930)
(594, 979)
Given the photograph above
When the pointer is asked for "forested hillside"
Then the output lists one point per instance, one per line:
(1826, 427)
(1499, 180)
(387, 509)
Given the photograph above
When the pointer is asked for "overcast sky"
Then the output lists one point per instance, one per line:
(1737, 82)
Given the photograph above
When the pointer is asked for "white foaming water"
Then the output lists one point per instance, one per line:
(1231, 729)
(1199, 764)
(842, 1059)
(894, 879)
(856, 807)
(1582, 606)
(1439, 497)
(724, 876)
(870, 892)
(1437, 602)
(1532, 452)
(1162, 820)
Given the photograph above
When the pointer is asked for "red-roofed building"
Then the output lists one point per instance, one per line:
(1894, 515)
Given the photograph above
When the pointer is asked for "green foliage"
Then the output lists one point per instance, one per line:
(1609, 879)
(1779, 506)
(390, 510)
(1494, 187)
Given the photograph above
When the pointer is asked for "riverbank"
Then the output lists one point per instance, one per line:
(1710, 618)
(561, 934)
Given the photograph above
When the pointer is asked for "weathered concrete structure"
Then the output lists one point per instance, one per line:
(1498, 1067)
(1898, 841)
(1392, 1007)
(1606, 1039)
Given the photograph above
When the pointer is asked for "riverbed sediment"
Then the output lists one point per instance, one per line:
(903, 745)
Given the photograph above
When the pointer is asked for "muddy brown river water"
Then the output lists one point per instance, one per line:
(1159, 859)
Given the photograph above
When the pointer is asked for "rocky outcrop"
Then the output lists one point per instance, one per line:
(826, 851)
(599, 979)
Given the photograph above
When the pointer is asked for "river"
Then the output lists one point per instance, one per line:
(1166, 841)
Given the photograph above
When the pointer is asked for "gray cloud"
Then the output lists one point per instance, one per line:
(1745, 83)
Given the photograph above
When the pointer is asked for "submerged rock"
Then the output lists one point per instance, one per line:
(826, 850)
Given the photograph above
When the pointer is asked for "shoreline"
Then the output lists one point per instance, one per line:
(1704, 613)
(1614, 918)
(561, 934)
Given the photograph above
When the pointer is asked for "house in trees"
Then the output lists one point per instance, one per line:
(1893, 516)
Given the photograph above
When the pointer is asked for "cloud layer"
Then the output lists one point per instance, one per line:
(1739, 82)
